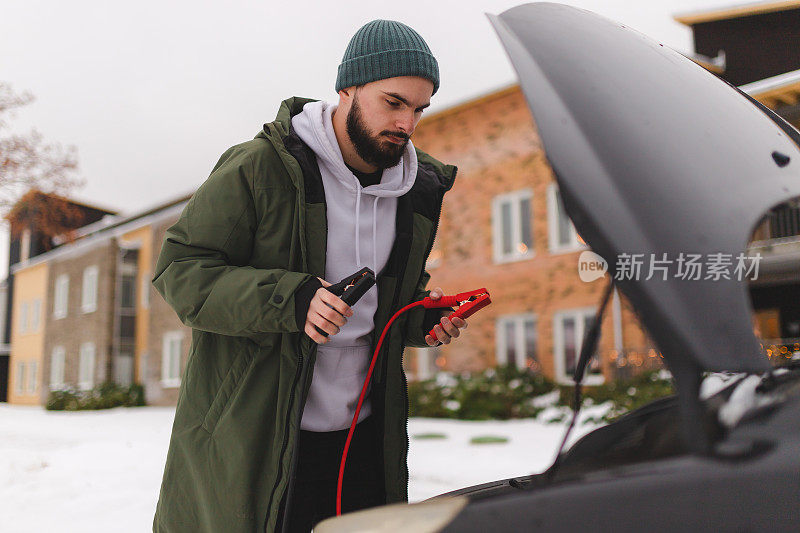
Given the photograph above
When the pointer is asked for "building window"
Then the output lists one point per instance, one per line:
(145, 291)
(562, 234)
(569, 328)
(86, 366)
(32, 381)
(19, 382)
(517, 341)
(89, 289)
(57, 363)
(427, 365)
(36, 314)
(128, 291)
(61, 296)
(511, 223)
(24, 318)
(171, 359)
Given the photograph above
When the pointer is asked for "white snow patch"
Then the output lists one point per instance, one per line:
(100, 471)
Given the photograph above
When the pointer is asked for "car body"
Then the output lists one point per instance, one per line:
(653, 155)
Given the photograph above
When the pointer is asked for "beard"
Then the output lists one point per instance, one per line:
(382, 154)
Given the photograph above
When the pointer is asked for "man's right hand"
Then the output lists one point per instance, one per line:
(327, 312)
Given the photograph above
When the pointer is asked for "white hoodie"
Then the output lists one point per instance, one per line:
(361, 232)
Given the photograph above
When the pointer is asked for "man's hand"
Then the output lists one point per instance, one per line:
(326, 311)
(445, 330)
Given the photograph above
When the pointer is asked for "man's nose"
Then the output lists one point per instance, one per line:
(405, 123)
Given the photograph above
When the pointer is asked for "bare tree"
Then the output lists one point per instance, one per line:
(34, 175)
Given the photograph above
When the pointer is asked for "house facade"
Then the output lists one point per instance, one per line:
(504, 226)
(98, 317)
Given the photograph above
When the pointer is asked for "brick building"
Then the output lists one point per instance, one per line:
(504, 228)
(96, 316)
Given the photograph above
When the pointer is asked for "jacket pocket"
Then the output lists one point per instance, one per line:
(227, 390)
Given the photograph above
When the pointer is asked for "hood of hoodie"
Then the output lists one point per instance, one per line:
(314, 127)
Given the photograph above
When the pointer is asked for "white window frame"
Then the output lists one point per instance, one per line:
(33, 381)
(519, 337)
(58, 359)
(20, 377)
(61, 297)
(24, 317)
(168, 380)
(579, 315)
(555, 246)
(36, 314)
(426, 362)
(89, 289)
(86, 365)
(515, 199)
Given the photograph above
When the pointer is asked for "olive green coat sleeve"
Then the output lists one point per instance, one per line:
(421, 320)
(203, 271)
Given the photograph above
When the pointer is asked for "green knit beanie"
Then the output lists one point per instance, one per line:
(384, 49)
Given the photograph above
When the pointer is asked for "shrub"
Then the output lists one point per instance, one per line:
(502, 393)
(624, 395)
(507, 392)
(104, 396)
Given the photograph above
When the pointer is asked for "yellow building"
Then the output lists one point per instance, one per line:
(27, 335)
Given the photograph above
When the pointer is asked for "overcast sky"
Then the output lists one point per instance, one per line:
(152, 92)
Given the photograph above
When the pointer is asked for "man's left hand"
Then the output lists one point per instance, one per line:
(445, 330)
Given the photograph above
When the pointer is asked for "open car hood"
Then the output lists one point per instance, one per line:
(653, 155)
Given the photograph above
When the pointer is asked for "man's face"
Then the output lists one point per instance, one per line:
(383, 115)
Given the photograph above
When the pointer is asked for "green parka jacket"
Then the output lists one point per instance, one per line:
(252, 234)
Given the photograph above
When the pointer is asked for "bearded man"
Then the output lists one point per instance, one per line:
(266, 400)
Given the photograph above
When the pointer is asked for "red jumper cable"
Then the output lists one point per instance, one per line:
(468, 303)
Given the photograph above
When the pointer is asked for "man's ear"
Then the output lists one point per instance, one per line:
(347, 94)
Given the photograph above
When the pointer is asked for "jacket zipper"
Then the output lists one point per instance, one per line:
(402, 372)
(290, 485)
(284, 446)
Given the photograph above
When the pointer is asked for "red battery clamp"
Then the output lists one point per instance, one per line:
(468, 304)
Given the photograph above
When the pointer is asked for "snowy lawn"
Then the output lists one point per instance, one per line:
(101, 471)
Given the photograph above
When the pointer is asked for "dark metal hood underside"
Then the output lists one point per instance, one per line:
(653, 154)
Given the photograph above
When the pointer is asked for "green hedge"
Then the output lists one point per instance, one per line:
(624, 395)
(506, 392)
(500, 393)
(104, 396)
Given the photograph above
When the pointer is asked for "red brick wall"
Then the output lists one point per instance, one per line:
(497, 150)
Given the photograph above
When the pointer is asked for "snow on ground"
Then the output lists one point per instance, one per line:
(100, 471)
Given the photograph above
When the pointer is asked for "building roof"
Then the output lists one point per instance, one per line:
(108, 223)
(469, 103)
(737, 11)
(82, 203)
(107, 228)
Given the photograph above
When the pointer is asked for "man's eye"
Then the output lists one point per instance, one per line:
(392, 103)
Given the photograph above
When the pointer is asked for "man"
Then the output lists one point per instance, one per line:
(266, 399)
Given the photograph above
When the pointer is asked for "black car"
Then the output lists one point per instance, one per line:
(653, 155)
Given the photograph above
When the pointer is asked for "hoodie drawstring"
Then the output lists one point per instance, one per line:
(374, 231)
(358, 212)
(374, 236)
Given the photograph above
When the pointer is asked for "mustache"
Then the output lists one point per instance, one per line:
(398, 134)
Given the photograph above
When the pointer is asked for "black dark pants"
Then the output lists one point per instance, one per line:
(314, 494)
